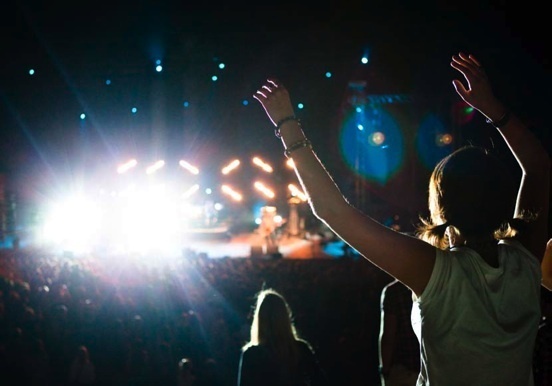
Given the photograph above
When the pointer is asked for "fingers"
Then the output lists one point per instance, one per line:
(460, 89)
(466, 64)
(267, 89)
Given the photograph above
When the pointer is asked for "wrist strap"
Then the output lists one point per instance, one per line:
(297, 145)
(503, 120)
(284, 120)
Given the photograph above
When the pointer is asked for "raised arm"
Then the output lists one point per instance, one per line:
(546, 267)
(406, 258)
(534, 161)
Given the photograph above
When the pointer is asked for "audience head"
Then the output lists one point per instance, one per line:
(272, 319)
(473, 191)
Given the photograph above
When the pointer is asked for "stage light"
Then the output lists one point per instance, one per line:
(236, 196)
(82, 116)
(72, 224)
(290, 164)
(214, 78)
(264, 189)
(108, 82)
(31, 72)
(443, 139)
(263, 165)
(127, 166)
(133, 110)
(189, 167)
(155, 167)
(377, 138)
(296, 192)
(233, 165)
(328, 74)
(189, 192)
(221, 66)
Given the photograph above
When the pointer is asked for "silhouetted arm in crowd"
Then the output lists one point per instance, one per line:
(546, 266)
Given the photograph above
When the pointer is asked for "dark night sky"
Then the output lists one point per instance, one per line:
(75, 47)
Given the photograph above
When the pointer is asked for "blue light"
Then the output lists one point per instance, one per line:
(328, 74)
(108, 82)
(300, 106)
(245, 102)
(186, 104)
(82, 116)
(222, 65)
(430, 152)
(159, 68)
(31, 71)
(364, 60)
(214, 78)
(158, 61)
(134, 110)
(372, 144)
(358, 109)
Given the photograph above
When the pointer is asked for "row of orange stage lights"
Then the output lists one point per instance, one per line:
(227, 169)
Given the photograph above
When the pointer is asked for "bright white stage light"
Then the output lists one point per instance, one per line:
(73, 224)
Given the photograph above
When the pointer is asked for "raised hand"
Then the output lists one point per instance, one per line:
(275, 100)
(477, 91)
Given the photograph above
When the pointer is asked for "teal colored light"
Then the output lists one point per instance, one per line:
(429, 151)
(134, 110)
(108, 82)
(82, 116)
(186, 104)
(31, 71)
(300, 106)
(214, 78)
(328, 74)
(222, 65)
(376, 162)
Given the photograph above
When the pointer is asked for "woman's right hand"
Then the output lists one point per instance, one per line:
(275, 100)
(478, 92)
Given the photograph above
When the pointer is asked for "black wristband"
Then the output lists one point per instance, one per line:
(297, 145)
(284, 120)
(500, 122)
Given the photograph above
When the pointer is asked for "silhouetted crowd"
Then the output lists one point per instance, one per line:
(143, 322)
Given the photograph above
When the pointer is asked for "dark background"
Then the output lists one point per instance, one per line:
(75, 47)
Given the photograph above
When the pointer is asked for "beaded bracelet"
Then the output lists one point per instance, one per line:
(284, 120)
(502, 121)
(296, 146)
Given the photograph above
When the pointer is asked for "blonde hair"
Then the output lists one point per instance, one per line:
(474, 192)
(273, 327)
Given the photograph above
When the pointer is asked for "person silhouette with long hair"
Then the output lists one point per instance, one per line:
(276, 354)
